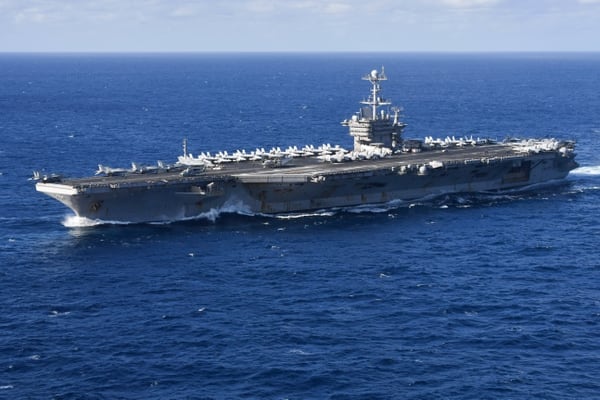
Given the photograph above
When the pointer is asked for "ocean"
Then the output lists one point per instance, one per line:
(467, 296)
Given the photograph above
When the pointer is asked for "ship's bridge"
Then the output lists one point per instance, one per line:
(371, 127)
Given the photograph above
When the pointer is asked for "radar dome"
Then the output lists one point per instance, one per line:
(374, 74)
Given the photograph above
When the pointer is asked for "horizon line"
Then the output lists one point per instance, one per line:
(299, 51)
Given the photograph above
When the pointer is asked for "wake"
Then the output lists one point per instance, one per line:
(238, 208)
(593, 170)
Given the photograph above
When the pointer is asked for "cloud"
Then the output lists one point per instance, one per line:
(297, 24)
(56, 11)
(261, 6)
(469, 3)
(272, 7)
(337, 8)
(77, 13)
(32, 14)
(184, 12)
(37, 12)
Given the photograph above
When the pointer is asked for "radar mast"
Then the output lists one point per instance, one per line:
(375, 100)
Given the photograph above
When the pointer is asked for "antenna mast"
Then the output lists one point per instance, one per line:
(374, 99)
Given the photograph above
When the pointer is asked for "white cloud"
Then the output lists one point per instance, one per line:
(261, 6)
(469, 3)
(32, 14)
(266, 7)
(337, 8)
(298, 24)
(184, 12)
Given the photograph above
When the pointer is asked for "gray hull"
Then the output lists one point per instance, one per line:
(306, 185)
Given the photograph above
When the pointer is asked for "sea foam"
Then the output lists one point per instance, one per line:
(75, 221)
(592, 170)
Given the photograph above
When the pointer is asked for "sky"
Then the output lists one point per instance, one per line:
(298, 25)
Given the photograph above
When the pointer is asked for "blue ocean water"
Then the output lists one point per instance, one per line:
(462, 297)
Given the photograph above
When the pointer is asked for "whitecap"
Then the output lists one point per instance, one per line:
(230, 207)
(320, 213)
(592, 170)
(4, 387)
(299, 352)
(55, 313)
(75, 221)
(213, 214)
(373, 209)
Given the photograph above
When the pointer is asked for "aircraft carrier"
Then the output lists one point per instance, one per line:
(382, 167)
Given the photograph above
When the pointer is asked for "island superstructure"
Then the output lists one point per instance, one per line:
(382, 167)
